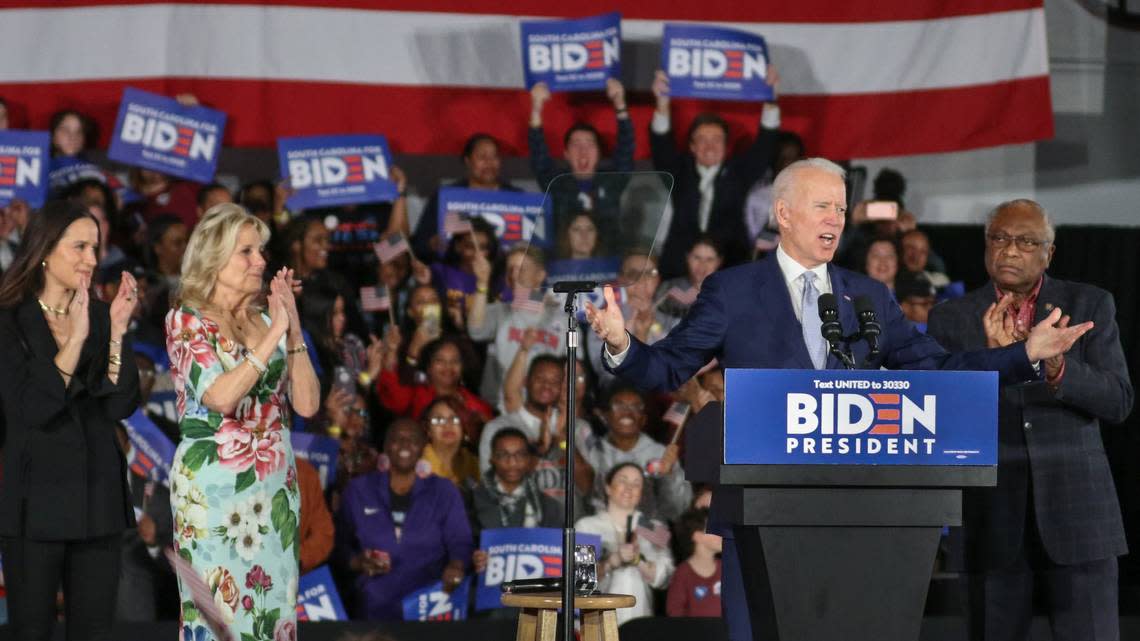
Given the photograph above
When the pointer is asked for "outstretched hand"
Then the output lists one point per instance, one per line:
(609, 323)
(1051, 338)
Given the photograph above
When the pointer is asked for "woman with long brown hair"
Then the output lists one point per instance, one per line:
(67, 379)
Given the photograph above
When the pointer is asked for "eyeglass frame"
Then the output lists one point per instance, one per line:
(999, 240)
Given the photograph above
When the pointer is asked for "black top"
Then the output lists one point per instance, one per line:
(65, 476)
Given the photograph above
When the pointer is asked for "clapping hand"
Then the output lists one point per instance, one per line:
(999, 327)
(123, 306)
(1050, 338)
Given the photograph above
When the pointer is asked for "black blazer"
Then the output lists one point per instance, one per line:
(730, 189)
(1049, 442)
(65, 476)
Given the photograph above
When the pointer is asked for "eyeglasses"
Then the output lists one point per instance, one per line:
(1024, 243)
(500, 455)
(627, 407)
(445, 420)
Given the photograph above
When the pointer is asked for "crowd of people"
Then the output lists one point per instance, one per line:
(448, 400)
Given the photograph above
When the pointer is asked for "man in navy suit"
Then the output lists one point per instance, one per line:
(1054, 519)
(765, 315)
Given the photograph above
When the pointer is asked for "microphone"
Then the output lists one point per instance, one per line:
(831, 329)
(868, 324)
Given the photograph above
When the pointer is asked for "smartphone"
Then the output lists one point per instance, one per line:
(342, 380)
(432, 313)
(882, 210)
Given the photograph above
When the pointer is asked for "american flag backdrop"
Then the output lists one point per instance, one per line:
(861, 78)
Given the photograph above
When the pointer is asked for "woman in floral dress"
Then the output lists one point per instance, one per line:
(235, 496)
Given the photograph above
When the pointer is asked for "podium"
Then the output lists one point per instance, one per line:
(836, 485)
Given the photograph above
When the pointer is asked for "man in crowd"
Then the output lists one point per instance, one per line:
(915, 294)
(1053, 521)
(710, 187)
(667, 493)
(765, 315)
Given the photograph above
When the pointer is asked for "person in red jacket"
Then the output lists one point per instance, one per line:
(443, 364)
(695, 588)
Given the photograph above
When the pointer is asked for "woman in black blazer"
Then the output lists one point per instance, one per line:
(66, 379)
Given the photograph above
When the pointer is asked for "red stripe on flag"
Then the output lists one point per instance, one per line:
(847, 126)
(729, 11)
(7, 181)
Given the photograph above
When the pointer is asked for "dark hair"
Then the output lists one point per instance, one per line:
(316, 311)
(586, 127)
(243, 194)
(707, 239)
(563, 250)
(155, 230)
(889, 185)
(543, 359)
(85, 123)
(707, 118)
(25, 276)
(75, 190)
(623, 388)
(294, 232)
(205, 190)
(508, 432)
(689, 523)
(431, 349)
(404, 420)
(478, 226)
(890, 241)
(474, 140)
(612, 472)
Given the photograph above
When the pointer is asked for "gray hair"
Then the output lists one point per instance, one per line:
(1018, 203)
(783, 182)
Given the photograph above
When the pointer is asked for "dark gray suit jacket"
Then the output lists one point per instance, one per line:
(1049, 442)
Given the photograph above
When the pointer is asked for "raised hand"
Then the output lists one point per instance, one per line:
(124, 305)
(539, 94)
(79, 323)
(283, 284)
(998, 326)
(482, 269)
(1048, 339)
(773, 80)
(375, 355)
(609, 323)
(615, 91)
(400, 178)
(278, 312)
(421, 272)
(661, 91)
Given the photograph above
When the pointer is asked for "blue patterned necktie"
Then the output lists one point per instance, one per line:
(812, 326)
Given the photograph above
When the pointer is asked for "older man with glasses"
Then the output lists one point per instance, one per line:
(1053, 522)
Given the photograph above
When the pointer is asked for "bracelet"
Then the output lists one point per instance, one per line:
(411, 361)
(482, 290)
(115, 359)
(365, 379)
(256, 363)
(299, 349)
(116, 343)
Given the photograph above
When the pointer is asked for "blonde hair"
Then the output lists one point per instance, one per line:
(209, 249)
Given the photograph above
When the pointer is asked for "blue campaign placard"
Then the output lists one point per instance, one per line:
(321, 451)
(434, 604)
(860, 417)
(517, 216)
(522, 553)
(336, 170)
(572, 55)
(153, 451)
(715, 63)
(317, 598)
(156, 132)
(24, 160)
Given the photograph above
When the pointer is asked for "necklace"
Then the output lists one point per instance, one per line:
(52, 310)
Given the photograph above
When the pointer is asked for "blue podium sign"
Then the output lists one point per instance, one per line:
(862, 417)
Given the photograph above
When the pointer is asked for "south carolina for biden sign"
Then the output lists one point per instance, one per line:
(23, 166)
(336, 170)
(872, 417)
(572, 55)
(156, 132)
(709, 62)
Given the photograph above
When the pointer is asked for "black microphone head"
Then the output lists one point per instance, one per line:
(863, 305)
(868, 320)
(828, 307)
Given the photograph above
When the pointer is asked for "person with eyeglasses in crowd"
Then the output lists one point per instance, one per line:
(446, 452)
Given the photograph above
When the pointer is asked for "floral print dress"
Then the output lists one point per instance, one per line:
(234, 488)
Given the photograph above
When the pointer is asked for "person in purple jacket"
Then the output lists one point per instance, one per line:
(398, 532)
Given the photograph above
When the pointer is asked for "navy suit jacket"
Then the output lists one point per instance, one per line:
(744, 317)
(1049, 444)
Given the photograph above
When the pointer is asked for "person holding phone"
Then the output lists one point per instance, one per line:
(444, 363)
(68, 378)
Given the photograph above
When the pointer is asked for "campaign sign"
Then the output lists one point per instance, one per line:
(24, 158)
(336, 170)
(321, 451)
(64, 171)
(156, 132)
(860, 417)
(434, 604)
(715, 63)
(516, 216)
(153, 450)
(522, 553)
(572, 55)
(317, 598)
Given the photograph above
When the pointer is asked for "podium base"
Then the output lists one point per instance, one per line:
(836, 583)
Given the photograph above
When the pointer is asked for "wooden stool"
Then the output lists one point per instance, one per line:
(539, 614)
